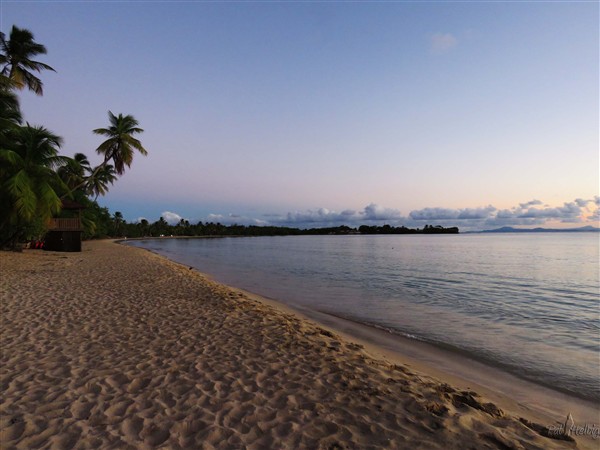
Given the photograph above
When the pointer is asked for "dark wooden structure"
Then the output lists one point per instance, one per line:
(64, 234)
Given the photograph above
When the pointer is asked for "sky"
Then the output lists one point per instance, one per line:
(314, 114)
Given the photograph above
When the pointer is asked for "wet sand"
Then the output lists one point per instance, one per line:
(116, 347)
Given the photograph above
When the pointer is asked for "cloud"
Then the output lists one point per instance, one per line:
(434, 214)
(443, 42)
(171, 218)
(376, 212)
(595, 214)
(321, 215)
(530, 203)
(234, 219)
(526, 214)
(452, 214)
(324, 217)
(569, 212)
(530, 213)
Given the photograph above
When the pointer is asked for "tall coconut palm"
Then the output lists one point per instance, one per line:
(28, 174)
(10, 111)
(120, 145)
(16, 54)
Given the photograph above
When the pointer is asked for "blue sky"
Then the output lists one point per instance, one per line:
(321, 113)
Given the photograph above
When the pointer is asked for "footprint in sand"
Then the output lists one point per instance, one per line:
(155, 435)
(118, 409)
(14, 429)
(137, 384)
(81, 409)
(132, 426)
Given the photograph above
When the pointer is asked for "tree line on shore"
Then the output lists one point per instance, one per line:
(115, 226)
(35, 179)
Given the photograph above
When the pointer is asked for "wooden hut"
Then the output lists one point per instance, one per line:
(64, 233)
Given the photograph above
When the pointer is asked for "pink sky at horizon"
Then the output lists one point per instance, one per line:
(260, 109)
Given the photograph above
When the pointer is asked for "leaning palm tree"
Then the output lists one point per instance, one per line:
(75, 170)
(120, 145)
(16, 54)
(118, 148)
(98, 183)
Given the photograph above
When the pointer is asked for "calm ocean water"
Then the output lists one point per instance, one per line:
(529, 303)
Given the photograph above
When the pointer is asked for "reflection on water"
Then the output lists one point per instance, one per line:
(526, 302)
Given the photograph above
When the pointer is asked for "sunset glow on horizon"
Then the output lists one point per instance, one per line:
(476, 115)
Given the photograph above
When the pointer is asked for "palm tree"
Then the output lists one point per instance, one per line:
(10, 111)
(78, 173)
(118, 222)
(120, 145)
(118, 148)
(29, 178)
(75, 170)
(143, 225)
(98, 183)
(16, 54)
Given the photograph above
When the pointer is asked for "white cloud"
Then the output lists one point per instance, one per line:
(376, 212)
(443, 42)
(171, 218)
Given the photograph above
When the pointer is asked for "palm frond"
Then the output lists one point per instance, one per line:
(19, 187)
(11, 157)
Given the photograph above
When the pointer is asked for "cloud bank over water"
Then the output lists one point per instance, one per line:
(528, 214)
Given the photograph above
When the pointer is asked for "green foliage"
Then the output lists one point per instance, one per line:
(29, 183)
(16, 56)
(184, 228)
(120, 145)
(34, 178)
(97, 222)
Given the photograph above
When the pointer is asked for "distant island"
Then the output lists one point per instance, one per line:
(586, 229)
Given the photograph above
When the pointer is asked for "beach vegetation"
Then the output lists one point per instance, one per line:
(31, 186)
(35, 179)
(183, 228)
(16, 57)
(121, 143)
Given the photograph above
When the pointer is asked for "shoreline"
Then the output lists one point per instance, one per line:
(123, 347)
(536, 401)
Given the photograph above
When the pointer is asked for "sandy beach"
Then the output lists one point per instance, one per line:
(116, 347)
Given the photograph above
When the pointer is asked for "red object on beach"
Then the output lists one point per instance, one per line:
(38, 245)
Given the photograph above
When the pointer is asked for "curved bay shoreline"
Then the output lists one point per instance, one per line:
(119, 347)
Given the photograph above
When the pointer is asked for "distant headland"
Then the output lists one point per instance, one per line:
(586, 229)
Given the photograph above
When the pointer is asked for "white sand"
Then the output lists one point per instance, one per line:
(116, 347)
